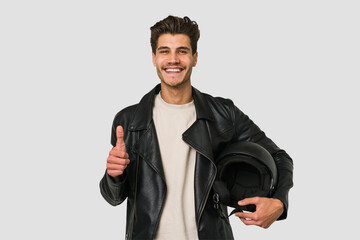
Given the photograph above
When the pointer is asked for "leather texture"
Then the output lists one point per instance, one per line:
(219, 123)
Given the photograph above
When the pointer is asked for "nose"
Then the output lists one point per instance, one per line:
(174, 58)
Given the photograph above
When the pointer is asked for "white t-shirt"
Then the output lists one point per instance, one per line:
(178, 158)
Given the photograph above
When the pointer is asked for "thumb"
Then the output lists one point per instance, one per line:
(120, 144)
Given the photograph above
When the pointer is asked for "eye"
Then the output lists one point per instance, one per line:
(164, 51)
(182, 51)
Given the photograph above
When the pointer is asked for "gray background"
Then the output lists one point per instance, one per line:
(67, 67)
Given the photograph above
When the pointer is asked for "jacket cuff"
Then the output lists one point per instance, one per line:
(113, 192)
(283, 197)
(111, 180)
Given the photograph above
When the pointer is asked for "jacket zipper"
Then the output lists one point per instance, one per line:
(212, 182)
(208, 192)
(136, 184)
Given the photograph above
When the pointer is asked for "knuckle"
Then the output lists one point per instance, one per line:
(123, 155)
(115, 152)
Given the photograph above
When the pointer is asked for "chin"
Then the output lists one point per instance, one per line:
(174, 84)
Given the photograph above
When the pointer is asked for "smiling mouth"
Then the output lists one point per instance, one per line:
(173, 70)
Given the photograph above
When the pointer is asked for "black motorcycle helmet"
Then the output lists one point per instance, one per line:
(244, 170)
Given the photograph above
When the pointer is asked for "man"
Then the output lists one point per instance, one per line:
(163, 160)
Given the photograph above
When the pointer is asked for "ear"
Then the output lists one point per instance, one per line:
(153, 59)
(195, 56)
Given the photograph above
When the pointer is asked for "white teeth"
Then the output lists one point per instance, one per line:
(172, 70)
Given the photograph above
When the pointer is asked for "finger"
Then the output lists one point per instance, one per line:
(248, 222)
(114, 173)
(247, 201)
(120, 154)
(120, 144)
(245, 215)
(119, 161)
(111, 166)
(253, 222)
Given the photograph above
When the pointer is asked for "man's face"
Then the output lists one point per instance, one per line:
(174, 59)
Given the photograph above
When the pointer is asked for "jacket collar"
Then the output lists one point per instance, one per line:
(143, 116)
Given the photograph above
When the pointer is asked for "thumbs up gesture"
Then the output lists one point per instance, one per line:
(118, 158)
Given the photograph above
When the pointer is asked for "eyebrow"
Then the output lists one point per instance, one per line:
(165, 47)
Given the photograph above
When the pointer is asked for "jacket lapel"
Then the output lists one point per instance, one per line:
(202, 144)
(148, 149)
(205, 170)
(198, 137)
(147, 146)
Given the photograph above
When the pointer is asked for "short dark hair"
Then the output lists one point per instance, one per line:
(175, 25)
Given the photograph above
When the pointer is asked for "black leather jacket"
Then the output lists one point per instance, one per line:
(218, 123)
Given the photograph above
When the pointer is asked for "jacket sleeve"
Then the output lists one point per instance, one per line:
(114, 192)
(247, 130)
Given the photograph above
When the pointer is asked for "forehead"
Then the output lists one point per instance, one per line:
(173, 40)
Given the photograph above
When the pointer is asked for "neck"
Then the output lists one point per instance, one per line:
(176, 95)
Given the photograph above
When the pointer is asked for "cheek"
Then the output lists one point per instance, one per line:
(158, 62)
(194, 61)
(191, 62)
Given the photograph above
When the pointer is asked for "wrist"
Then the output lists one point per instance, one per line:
(116, 179)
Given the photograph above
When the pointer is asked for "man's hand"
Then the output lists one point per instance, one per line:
(268, 210)
(118, 158)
